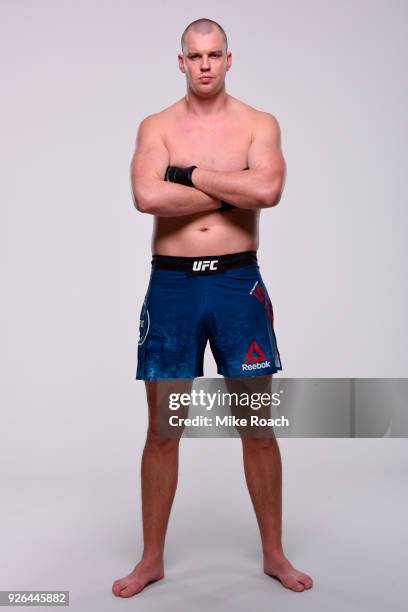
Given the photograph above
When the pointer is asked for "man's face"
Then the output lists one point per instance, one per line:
(205, 62)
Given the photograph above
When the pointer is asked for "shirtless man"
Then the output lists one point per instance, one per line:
(204, 168)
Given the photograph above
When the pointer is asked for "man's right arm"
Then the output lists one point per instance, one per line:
(151, 193)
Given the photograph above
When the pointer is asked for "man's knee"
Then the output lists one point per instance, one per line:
(162, 443)
(255, 444)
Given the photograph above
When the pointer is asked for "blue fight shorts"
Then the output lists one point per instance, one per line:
(190, 300)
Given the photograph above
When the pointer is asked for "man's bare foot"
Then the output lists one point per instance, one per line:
(143, 574)
(290, 577)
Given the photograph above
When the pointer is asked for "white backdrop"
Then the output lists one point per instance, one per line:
(77, 79)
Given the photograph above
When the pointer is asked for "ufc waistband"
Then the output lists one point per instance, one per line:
(212, 264)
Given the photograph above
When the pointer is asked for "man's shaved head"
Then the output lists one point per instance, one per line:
(203, 26)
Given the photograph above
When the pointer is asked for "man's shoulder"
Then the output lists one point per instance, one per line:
(255, 114)
(161, 117)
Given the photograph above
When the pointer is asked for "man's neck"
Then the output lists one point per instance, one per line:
(206, 107)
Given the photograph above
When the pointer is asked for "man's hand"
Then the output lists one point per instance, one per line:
(183, 176)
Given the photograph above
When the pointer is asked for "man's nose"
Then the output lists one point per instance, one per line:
(205, 63)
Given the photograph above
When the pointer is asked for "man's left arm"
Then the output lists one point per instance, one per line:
(260, 186)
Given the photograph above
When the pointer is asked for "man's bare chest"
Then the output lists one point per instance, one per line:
(214, 147)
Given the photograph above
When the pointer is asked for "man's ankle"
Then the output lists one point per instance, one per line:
(152, 558)
(273, 553)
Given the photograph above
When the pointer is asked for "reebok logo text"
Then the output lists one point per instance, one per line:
(256, 366)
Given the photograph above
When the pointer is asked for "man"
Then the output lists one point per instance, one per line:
(205, 167)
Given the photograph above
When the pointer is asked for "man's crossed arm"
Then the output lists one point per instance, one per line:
(192, 190)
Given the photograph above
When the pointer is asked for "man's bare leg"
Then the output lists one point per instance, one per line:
(159, 474)
(263, 473)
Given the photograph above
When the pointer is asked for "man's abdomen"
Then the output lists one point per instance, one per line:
(213, 234)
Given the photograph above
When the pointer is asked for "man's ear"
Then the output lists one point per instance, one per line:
(229, 60)
(181, 63)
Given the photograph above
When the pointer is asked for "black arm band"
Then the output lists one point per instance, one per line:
(180, 175)
(225, 206)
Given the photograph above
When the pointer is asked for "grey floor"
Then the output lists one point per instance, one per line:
(345, 508)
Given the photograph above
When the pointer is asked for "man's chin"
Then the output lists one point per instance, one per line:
(205, 91)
